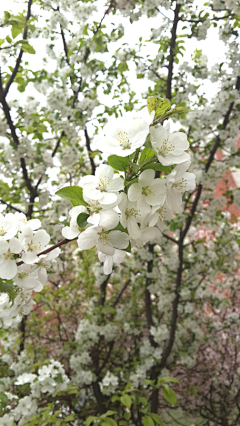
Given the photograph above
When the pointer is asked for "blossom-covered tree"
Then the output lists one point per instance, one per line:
(118, 263)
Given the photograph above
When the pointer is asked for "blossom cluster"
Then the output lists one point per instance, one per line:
(50, 380)
(126, 206)
(21, 242)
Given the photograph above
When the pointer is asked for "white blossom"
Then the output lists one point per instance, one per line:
(124, 135)
(147, 192)
(169, 147)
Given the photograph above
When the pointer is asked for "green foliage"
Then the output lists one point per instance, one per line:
(73, 194)
(146, 154)
(82, 220)
(169, 395)
(6, 286)
(158, 167)
(118, 163)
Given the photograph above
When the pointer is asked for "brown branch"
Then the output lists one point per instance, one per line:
(103, 287)
(121, 293)
(58, 144)
(49, 249)
(65, 46)
(170, 238)
(93, 167)
(172, 53)
(18, 61)
(217, 18)
(111, 344)
(10, 206)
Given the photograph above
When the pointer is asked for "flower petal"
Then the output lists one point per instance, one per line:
(88, 238)
(8, 269)
(115, 185)
(146, 177)
(119, 239)
(134, 192)
(109, 219)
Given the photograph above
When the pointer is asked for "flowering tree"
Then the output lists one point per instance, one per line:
(140, 304)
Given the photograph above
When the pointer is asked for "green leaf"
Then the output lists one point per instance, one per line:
(3, 399)
(73, 194)
(162, 107)
(16, 30)
(118, 163)
(110, 422)
(169, 395)
(27, 48)
(157, 419)
(129, 248)
(58, 378)
(152, 103)
(90, 419)
(6, 286)
(168, 379)
(147, 421)
(1, 41)
(82, 220)
(115, 398)
(69, 418)
(123, 66)
(146, 154)
(127, 416)
(119, 227)
(126, 400)
(158, 167)
(108, 413)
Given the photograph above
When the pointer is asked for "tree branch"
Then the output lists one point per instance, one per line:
(18, 61)
(10, 206)
(121, 293)
(171, 53)
(49, 249)
(93, 167)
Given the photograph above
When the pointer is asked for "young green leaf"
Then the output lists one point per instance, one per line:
(126, 400)
(90, 419)
(147, 421)
(169, 395)
(157, 419)
(162, 107)
(167, 379)
(146, 154)
(158, 167)
(27, 48)
(73, 194)
(118, 163)
(82, 220)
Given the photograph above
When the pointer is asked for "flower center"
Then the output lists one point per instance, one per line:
(2, 232)
(102, 185)
(22, 275)
(147, 190)
(34, 246)
(123, 139)
(8, 255)
(131, 213)
(94, 207)
(103, 237)
(161, 212)
(165, 148)
(180, 185)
